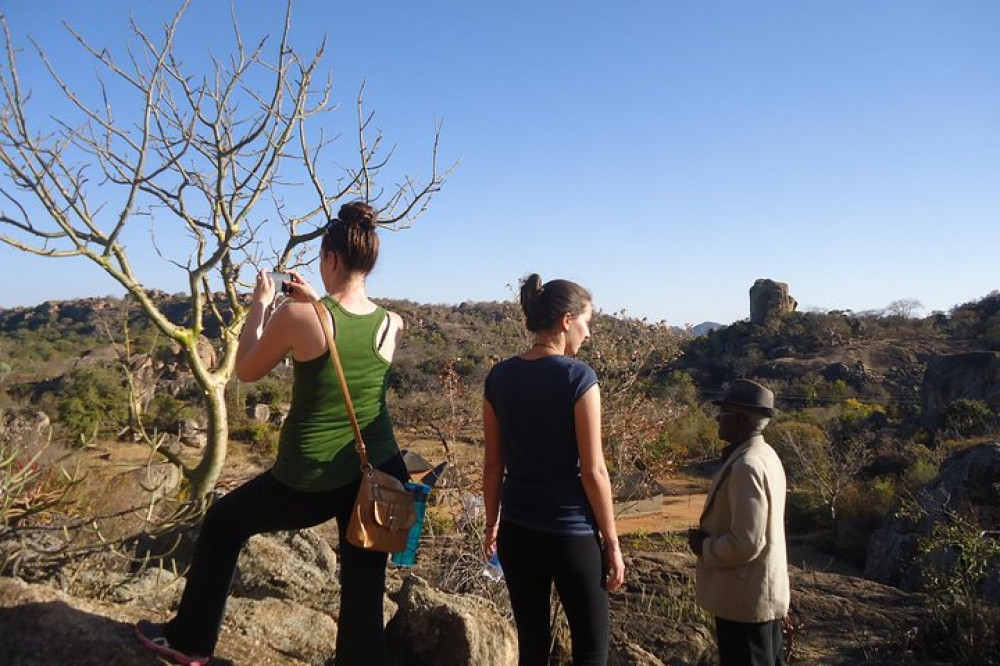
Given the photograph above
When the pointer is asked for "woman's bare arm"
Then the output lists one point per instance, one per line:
(597, 483)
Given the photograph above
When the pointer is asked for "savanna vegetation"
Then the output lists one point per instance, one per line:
(848, 384)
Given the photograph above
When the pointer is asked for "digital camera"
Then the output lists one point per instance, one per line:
(281, 281)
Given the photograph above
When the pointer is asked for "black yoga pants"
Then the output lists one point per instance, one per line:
(264, 504)
(532, 561)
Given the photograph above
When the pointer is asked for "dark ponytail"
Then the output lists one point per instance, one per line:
(352, 235)
(545, 304)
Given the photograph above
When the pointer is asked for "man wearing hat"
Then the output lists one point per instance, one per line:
(742, 573)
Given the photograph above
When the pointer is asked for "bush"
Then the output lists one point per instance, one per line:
(269, 391)
(805, 512)
(689, 433)
(93, 398)
(165, 411)
(261, 437)
(855, 411)
(796, 441)
(677, 387)
(963, 626)
(871, 499)
(968, 418)
(919, 473)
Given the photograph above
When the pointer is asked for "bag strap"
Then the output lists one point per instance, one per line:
(359, 442)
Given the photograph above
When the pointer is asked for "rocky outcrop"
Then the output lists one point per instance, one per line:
(29, 433)
(968, 486)
(287, 627)
(191, 433)
(259, 412)
(432, 627)
(840, 620)
(41, 626)
(950, 377)
(151, 481)
(205, 350)
(632, 655)
(298, 565)
(659, 585)
(769, 299)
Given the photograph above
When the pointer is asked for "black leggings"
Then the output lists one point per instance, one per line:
(532, 561)
(264, 504)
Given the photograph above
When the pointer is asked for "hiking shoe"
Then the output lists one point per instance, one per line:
(151, 635)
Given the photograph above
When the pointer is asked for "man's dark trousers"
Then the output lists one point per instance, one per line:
(749, 643)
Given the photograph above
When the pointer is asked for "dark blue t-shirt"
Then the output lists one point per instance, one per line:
(534, 402)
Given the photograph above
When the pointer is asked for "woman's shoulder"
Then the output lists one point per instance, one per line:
(576, 367)
(396, 320)
(297, 311)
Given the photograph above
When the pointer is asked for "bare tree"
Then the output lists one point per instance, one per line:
(905, 308)
(199, 159)
(626, 352)
(824, 467)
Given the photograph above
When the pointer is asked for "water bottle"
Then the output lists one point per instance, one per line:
(408, 556)
(493, 570)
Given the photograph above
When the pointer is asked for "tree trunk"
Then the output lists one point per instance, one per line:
(203, 477)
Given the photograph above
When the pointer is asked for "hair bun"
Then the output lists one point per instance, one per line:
(534, 283)
(360, 214)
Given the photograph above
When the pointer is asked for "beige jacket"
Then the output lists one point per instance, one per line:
(743, 568)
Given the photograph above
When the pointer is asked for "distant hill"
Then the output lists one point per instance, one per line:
(705, 327)
(870, 355)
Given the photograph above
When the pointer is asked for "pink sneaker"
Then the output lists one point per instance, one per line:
(151, 635)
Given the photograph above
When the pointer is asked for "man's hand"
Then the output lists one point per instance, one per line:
(696, 539)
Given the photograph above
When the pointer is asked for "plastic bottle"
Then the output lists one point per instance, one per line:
(408, 556)
(493, 570)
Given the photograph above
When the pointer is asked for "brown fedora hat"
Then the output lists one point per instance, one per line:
(748, 394)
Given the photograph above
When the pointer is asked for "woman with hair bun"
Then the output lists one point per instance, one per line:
(549, 512)
(317, 471)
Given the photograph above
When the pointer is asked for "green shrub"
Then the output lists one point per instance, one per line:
(855, 411)
(260, 437)
(269, 391)
(968, 418)
(882, 495)
(919, 473)
(677, 387)
(164, 412)
(805, 512)
(962, 626)
(688, 433)
(93, 397)
(868, 499)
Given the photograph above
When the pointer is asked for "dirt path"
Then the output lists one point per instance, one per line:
(679, 509)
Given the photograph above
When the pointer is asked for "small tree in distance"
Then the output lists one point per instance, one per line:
(905, 308)
(201, 157)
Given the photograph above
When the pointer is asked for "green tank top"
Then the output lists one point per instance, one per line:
(316, 447)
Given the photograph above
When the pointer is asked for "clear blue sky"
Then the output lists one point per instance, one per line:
(664, 153)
